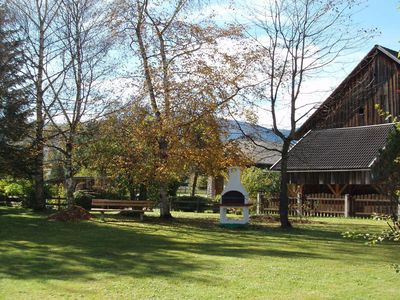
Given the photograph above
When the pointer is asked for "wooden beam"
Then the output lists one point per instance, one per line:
(381, 190)
(332, 189)
(294, 189)
(336, 189)
(300, 189)
(342, 189)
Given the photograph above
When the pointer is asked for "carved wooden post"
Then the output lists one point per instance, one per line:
(299, 204)
(258, 208)
(347, 204)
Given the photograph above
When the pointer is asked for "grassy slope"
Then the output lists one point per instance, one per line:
(191, 258)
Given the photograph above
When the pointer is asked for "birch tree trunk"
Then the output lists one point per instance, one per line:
(69, 175)
(39, 143)
(35, 20)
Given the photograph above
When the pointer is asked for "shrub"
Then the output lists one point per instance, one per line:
(173, 187)
(21, 188)
(108, 194)
(153, 189)
(202, 182)
(83, 199)
(258, 180)
(15, 189)
(24, 190)
(188, 203)
(56, 190)
(29, 199)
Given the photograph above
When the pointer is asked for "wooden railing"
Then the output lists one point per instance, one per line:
(56, 203)
(366, 205)
(271, 206)
(11, 200)
(323, 205)
(327, 205)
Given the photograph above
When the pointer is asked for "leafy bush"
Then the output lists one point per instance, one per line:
(153, 189)
(173, 187)
(188, 203)
(258, 180)
(120, 189)
(56, 190)
(29, 199)
(202, 182)
(109, 194)
(15, 189)
(83, 199)
(20, 188)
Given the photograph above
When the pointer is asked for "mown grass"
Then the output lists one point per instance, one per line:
(190, 258)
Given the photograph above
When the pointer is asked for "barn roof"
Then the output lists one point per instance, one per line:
(263, 153)
(377, 49)
(338, 149)
(260, 144)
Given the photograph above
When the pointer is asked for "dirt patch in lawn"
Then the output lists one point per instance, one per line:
(75, 213)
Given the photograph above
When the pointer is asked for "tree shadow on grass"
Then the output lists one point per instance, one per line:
(67, 250)
(33, 248)
(315, 239)
(311, 231)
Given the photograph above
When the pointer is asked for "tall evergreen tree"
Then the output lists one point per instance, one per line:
(14, 102)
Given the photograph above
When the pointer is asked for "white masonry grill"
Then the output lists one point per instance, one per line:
(234, 195)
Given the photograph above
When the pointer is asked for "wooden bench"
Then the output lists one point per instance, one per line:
(103, 205)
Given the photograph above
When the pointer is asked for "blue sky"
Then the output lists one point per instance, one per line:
(384, 15)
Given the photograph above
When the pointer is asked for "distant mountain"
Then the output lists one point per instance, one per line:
(257, 132)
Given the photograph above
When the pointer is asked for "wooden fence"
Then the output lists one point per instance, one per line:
(11, 200)
(366, 205)
(327, 205)
(56, 203)
(53, 203)
(271, 206)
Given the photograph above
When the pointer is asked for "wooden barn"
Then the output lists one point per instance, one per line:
(340, 142)
(375, 80)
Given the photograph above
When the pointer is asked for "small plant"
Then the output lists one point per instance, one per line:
(83, 199)
(256, 180)
(391, 234)
(302, 210)
(19, 188)
(202, 182)
(190, 204)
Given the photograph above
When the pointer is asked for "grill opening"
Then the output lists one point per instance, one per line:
(232, 197)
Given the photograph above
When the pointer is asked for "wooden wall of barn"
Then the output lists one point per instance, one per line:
(353, 103)
(344, 177)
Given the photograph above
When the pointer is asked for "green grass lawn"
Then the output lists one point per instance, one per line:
(190, 258)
